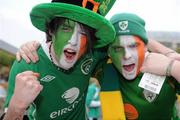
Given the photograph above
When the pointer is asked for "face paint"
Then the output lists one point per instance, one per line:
(69, 44)
(116, 53)
(127, 54)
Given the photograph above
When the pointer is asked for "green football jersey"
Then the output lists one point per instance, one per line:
(64, 92)
(139, 103)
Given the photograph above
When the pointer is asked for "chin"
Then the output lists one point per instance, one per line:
(66, 65)
(129, 76)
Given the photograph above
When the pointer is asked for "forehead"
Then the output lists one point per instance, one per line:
(69, 22)
(127, 40)
(124, 40)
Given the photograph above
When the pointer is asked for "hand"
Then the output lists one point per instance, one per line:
(174, 55)
(28, 52)
(155, 63)
(27, 88)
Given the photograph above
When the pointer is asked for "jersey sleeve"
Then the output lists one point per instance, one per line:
(16, 68)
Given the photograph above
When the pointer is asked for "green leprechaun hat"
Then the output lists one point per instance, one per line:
(88, 12)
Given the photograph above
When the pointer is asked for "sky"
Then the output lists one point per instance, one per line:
(16, 27)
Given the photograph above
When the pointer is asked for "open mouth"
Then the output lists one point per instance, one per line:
(129, 67)
(69, 54)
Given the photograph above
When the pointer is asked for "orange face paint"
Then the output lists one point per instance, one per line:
(83, 44)
(140, 52)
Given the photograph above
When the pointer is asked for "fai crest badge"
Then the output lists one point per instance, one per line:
(123, 25)
(149, 96)
(86, 65)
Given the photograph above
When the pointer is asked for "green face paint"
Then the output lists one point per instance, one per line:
(116, 52)
(62, 36)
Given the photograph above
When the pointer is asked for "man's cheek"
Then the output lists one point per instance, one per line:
(83, 45)
(58, 51)
(141, 55)
(117, 62)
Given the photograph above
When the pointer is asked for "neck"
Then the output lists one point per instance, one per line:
(52, 55)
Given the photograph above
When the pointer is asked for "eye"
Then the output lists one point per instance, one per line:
(117, 48)
(134, 45)
(82, 33)
(67, 28)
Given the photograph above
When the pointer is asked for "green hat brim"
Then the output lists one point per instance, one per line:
(43, 13)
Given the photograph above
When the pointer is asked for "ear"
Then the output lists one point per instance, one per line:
(50, 32)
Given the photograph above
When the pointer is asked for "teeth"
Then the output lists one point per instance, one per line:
(69, 50)
(128, 64)
(69, 53)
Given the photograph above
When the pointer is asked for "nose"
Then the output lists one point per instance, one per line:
(127, 54)
(74, 39)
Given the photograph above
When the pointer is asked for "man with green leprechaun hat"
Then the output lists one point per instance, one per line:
(56, 86)
(127, 52)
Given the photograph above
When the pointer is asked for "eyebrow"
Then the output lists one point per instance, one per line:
(138, 40)
(67, 25)
(113, 46)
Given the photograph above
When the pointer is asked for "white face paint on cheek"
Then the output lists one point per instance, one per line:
(130, 59)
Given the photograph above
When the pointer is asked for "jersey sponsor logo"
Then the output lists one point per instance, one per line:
(149, 96)
(47, 78)
(71, 95)
(86, 65)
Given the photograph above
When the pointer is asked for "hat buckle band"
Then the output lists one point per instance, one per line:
(96, 4)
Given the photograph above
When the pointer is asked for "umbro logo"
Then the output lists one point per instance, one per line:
(47, 78)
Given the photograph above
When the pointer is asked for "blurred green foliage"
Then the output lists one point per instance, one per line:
(6, 58)
(178, 50)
